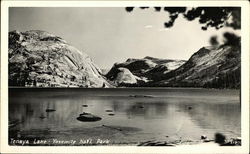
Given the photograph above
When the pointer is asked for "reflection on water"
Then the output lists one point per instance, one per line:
(170, 114)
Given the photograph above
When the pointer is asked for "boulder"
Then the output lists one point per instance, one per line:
(88, 117)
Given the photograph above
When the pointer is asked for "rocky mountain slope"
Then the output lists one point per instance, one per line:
(214, 67)
(139, 71)
(40, 59)
(124, 76)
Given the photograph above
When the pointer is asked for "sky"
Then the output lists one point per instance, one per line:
(110, 35)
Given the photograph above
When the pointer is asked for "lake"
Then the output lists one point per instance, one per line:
(129, 115)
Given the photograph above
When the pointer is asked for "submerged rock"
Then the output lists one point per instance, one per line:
(50, 110)
(109, 110)
(112, 127)
(207, 140)
(42, 117)
(140, 106)
(149, 96)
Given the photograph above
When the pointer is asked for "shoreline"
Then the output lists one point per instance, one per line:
(152, 88)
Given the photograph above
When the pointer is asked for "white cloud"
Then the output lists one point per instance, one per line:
(148, 26)
(162, 29)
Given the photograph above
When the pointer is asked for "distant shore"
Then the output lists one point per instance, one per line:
(13, 87)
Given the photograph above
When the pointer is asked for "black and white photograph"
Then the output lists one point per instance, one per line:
(131, 75)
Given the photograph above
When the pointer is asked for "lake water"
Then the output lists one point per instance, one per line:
(166, 114)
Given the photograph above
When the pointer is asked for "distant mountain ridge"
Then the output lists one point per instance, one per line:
(141, 71)
(210, 67)
(40, 59)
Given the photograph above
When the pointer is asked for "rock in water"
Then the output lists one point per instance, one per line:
(50, 110)
(40, 59)
(203, 137)
(220, 138)
(88, 117)
(109, 110)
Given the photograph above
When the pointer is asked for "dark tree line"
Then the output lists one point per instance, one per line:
(227, 80)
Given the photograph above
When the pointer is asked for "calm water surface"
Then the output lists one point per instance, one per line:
(170, 114)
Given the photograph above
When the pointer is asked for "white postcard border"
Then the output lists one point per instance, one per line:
(124, 149)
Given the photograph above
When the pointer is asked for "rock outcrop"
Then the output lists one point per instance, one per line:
(123, 76)
(136, 72)
(40, 59)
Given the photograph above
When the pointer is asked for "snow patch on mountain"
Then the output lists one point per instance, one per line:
(144, 70)
(173, 65)
(217, 67)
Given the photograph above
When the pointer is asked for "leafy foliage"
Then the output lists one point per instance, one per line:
(231, 39)
(216, 17)
(213, 41)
